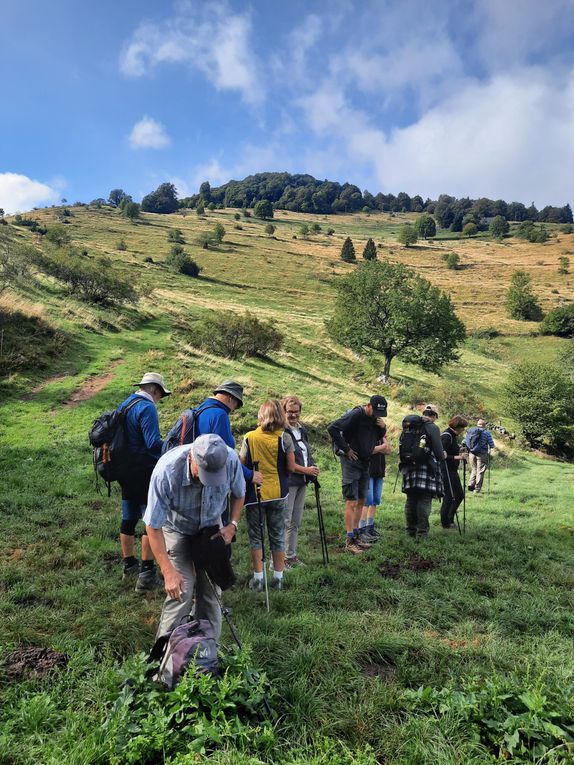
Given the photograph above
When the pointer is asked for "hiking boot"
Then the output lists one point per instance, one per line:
(148, 580)
(131, 569)
(365, 536)
(364, 543)
(452, 527)
(293, 562)
(470, 488)
(257, 585)
(352, 547)
(373, 532)
(277, 584)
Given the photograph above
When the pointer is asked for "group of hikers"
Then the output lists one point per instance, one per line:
(192, 488)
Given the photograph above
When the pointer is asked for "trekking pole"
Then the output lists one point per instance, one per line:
(488, 469)
(261, 531)
(464, 496)
(396, 478)
(226, 613)
(321, 521)
(452, 498)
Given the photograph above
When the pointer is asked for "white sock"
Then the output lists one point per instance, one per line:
(278, 575)
(258, 576)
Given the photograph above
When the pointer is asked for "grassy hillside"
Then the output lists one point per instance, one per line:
(346, 647)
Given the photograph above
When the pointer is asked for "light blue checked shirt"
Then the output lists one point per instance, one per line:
(178, 502)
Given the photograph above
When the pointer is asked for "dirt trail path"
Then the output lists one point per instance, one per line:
(92, 386)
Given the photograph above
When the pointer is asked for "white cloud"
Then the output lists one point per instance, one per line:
(148, 134)
(511, 32)
(211, 39)
(491, 139)
(19, 193)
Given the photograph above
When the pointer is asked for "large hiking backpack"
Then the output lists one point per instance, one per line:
(184, 430)
(473, 441)
(414, 442)
(108, 438)
(178, 648)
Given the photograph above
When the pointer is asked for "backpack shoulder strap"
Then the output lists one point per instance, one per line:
(132, 403)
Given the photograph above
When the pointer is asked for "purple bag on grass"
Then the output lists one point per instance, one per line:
(178, 648)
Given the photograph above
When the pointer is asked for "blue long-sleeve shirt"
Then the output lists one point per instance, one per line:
(142, 427)
(213, 417)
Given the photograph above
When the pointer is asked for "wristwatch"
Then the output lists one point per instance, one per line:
(235, 524)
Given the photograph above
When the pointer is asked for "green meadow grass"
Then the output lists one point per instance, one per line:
(343, 644)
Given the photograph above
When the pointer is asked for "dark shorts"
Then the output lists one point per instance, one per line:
(132, 510)
(135, 486)
(354, 478)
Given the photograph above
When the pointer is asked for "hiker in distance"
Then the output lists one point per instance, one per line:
(144, 448)
(211, 416)
(356, 435)
(187, 496)
(453, 489)
(420, 469)
(271, 447)
(305, 470)
(479, 442)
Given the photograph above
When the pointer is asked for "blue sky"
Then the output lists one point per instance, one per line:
(466, 97)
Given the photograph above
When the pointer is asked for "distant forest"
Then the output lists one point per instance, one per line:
(303, 193)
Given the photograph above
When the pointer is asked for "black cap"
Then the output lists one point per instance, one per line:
(379, 404)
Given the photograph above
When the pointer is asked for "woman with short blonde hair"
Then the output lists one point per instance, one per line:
(271, 416)
(271, 448)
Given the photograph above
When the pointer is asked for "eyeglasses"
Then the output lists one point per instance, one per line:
(297, 413)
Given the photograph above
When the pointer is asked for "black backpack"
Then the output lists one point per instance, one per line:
(184, 430)
(414, 442)
(108, 438)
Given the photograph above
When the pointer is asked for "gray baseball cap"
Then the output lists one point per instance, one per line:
(232, 389)
(210, 455)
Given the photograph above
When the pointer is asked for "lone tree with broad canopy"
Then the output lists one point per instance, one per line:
(407, 235)
(389, 309)
(348, 251)
(370, 251)
(263, 209)
(162, 200)
(426, 227)
(116, 196)
(521, 302)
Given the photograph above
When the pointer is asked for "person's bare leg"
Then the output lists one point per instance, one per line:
(278, 561)
(357, 513)
(257, 561)
(127, 545)
(350, 508)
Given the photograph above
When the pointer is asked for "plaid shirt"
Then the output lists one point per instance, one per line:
(179, 502)
(423, 478)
